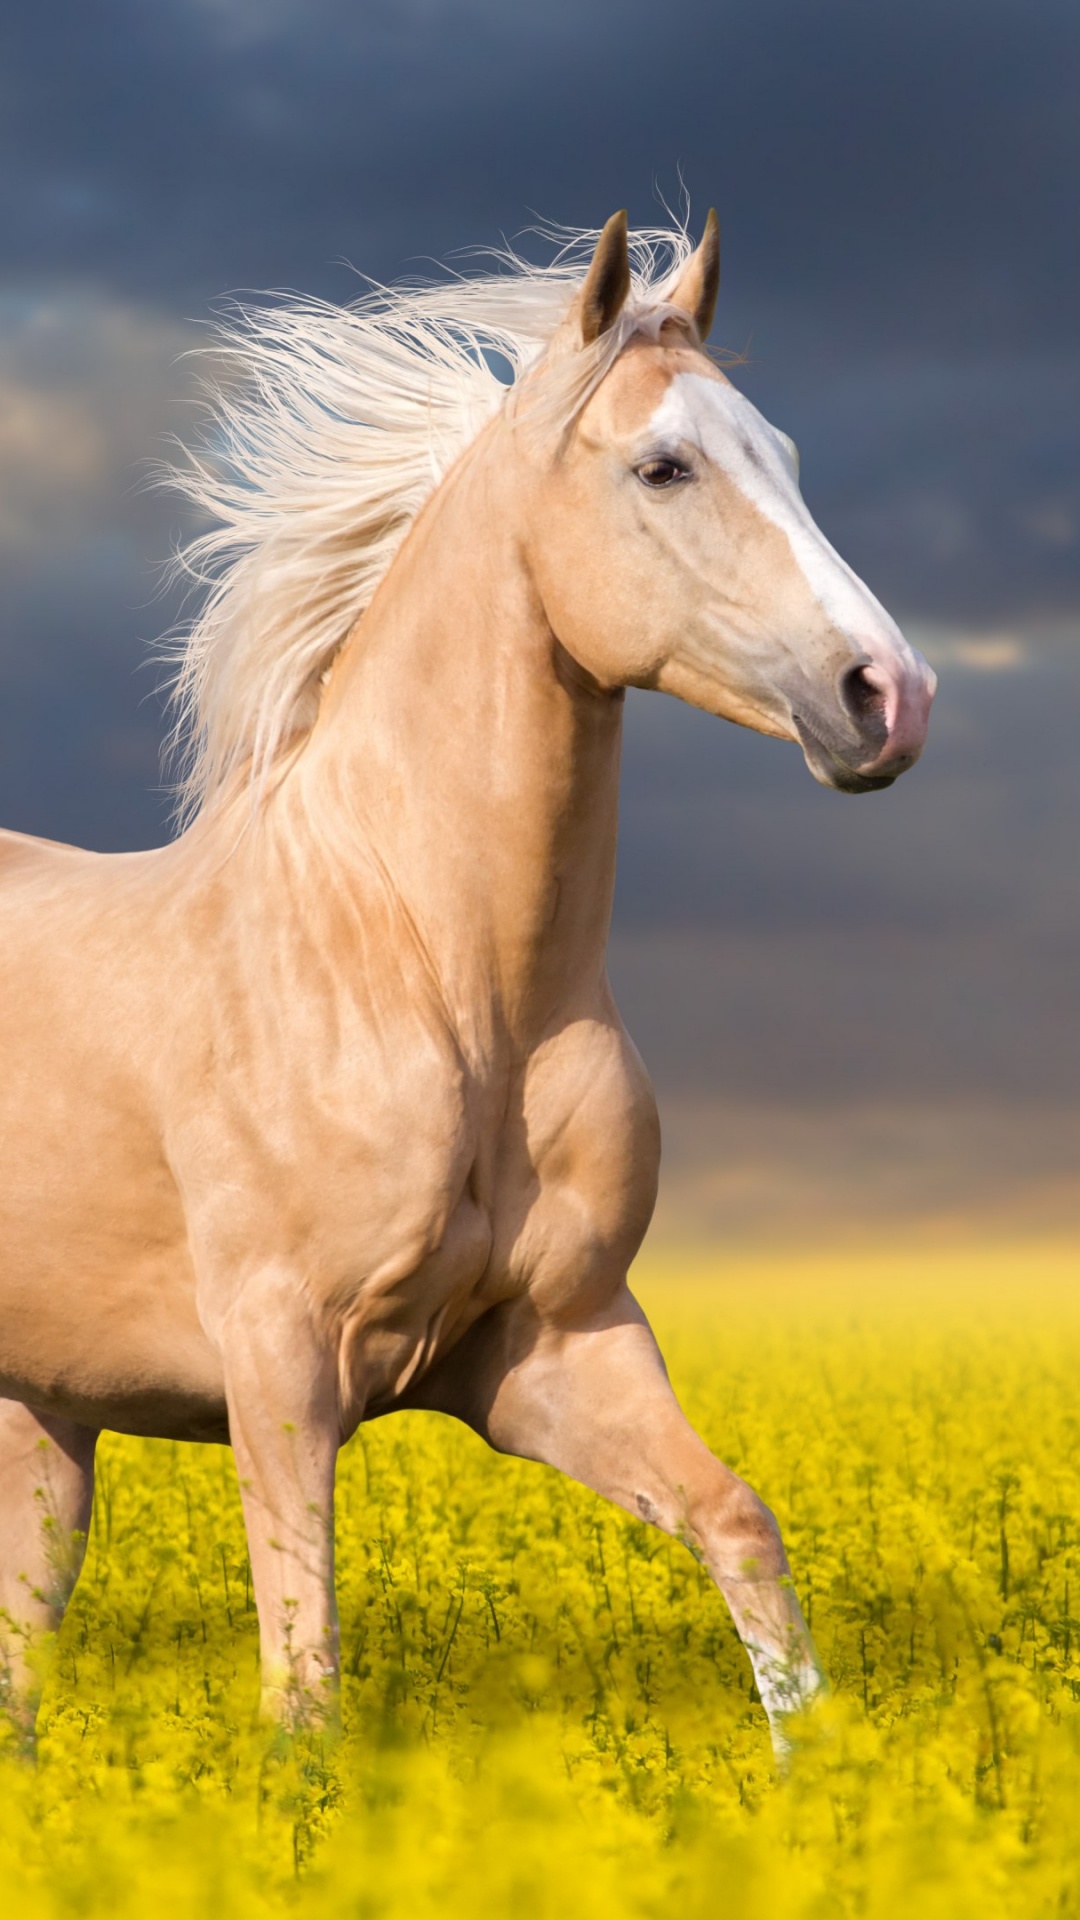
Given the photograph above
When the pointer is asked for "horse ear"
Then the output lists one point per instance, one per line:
(699, 282)
(607, 282)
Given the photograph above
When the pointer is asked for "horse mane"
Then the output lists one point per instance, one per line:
(326, 430)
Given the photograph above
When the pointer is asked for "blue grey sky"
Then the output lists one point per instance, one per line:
(898, 189)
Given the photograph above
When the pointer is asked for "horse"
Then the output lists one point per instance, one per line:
(324, 1108)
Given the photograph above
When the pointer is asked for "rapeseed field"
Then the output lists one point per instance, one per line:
(545, 1709)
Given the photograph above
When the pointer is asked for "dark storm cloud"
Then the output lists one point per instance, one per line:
(898, 186)
(915, 160)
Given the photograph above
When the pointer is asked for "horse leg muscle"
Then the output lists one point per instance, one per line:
(46, 1492)
(595, 1401)
(280, 1383)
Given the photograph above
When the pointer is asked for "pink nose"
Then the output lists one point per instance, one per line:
(888, 696)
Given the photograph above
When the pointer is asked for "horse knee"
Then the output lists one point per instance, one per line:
(750, 1546)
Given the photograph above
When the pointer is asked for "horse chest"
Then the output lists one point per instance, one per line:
(558, 1195)
(411, 1188)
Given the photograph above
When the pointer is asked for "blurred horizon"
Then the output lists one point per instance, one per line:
(861, 1015)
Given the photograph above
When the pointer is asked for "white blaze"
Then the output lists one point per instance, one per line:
(731, 433)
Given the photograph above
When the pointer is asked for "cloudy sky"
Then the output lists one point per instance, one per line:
(868, 1006)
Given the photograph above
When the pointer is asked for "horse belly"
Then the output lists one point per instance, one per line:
(97, 1294)
(98, 1319)
(109, 1335)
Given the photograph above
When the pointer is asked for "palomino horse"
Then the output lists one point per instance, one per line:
(325, 1109)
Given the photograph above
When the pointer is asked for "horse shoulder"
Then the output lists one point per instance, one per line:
(342, 1132)
(582, 1183)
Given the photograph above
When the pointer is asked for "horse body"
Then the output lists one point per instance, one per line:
(291, 1050)
(326, 1109)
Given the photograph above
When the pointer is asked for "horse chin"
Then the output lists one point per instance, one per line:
(830, 771)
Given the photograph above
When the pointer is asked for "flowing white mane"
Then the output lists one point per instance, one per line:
(328, 430)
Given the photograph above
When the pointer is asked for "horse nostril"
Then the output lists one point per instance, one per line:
(864, 703)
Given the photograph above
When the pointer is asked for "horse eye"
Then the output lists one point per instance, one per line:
(661, 473)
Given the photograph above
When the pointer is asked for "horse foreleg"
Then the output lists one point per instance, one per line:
(46, 1492)
(280, 1383)
(595, 1401)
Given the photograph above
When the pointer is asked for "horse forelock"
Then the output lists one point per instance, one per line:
(328, 428)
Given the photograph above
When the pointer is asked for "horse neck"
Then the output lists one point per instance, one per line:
(462, 749)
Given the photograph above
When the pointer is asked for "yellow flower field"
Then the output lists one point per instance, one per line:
(546, 1711)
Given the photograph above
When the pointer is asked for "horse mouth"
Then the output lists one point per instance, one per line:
(829, 770)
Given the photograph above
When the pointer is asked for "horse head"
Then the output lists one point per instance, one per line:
(672, 547)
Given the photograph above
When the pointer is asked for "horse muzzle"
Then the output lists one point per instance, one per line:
(877, 728)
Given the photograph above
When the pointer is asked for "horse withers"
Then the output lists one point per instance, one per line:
(325, 1108)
